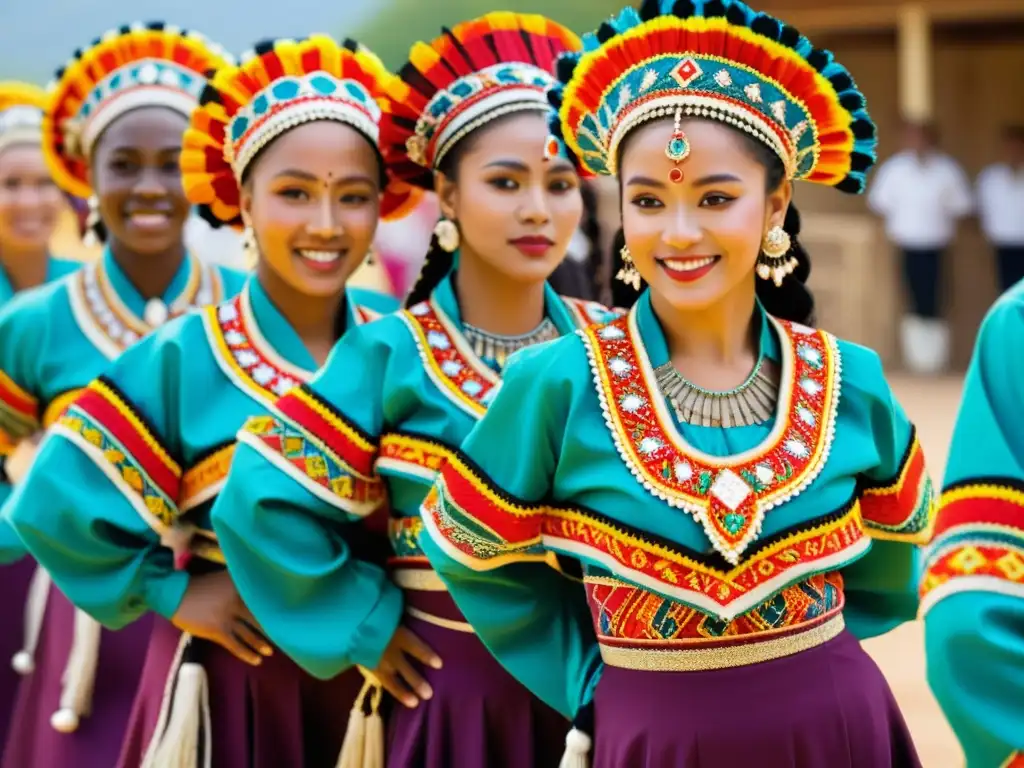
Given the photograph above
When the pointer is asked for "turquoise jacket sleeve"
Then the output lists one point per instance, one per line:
(23, 331)
(104, 486)
(482, 535)
(896, 502)
(973, 586)
(300, 487)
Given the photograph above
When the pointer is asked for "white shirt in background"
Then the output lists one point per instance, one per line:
(1001, 204)
(920, 200)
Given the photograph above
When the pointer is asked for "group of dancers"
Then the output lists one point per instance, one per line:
(272, 520)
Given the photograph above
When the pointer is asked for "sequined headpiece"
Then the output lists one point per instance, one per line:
(140, 65)
(279, 85)
(21, 114)
(719, 60)
(475, 72)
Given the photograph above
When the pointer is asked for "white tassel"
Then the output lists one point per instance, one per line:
(79, 674)
(577, 750)
(363, 746)
(24, 661)
(178, 745)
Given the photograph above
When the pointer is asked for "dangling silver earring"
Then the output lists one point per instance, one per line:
(627, 272)
(90, 238)
(250, 250)
(447, 235)
(773, 263)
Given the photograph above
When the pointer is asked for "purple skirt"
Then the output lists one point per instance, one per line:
(32, 741)
(15, 579)
(479, 714)
(828, 706)
(270, 716)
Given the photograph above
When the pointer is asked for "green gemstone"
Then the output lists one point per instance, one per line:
(734, 523)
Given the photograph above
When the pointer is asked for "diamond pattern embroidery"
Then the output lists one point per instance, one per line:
(728, 499)
(254, 365)
(686, 71)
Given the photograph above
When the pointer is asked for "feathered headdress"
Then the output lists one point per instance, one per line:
(21, 114)
(720, 60)
(140, 65)
(474, 72)
(279, 85)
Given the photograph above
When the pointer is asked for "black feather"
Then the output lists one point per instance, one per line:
(650, 9)
(263, 47)
(350, 45)
(736, 15)
(862, 129)
(841, 82)
(683, 9)
(210, 95)
(714, 9)
(852, 101)
(818, 59)
(789, 36)
(605, 32)
(565, 65)
(860, 162)
(766, 25)
(156, 26)
(851, 185)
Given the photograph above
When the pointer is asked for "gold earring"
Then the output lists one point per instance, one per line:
(447, 235)
(91, 239)
(773, 263)
(250, 249)
(627, 273)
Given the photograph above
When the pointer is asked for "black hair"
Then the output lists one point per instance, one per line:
(582, 279)
(438, 262)
(792, 300)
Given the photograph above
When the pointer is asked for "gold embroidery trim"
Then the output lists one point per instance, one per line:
(740, 655)
(418, 579)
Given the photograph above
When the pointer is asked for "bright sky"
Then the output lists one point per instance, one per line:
(37, 36)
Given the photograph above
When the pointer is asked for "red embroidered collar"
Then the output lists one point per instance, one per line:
(245, 356)
(728, 496)
(451, 364)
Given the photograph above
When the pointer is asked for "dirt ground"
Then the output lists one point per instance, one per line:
(932, 404)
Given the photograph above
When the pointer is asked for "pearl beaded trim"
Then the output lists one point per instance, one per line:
(696, 510)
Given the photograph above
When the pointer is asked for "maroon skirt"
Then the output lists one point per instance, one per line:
(479, 714)
(15, 579)
(270, 716)
(32, 741)
(827, 707)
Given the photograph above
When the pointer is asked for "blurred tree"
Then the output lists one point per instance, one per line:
(399, 23)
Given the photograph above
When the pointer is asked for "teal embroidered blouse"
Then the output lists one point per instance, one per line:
(728, 530)
(324, 459)
(57, 338)
(152, 440)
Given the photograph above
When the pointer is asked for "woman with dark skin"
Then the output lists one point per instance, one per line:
(121, 146)
(299, 122)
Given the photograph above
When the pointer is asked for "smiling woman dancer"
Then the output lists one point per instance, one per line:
(30, 203)
(742, 490)
(30, 207)
(285, 143)
(113, 129)
(469, 119)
